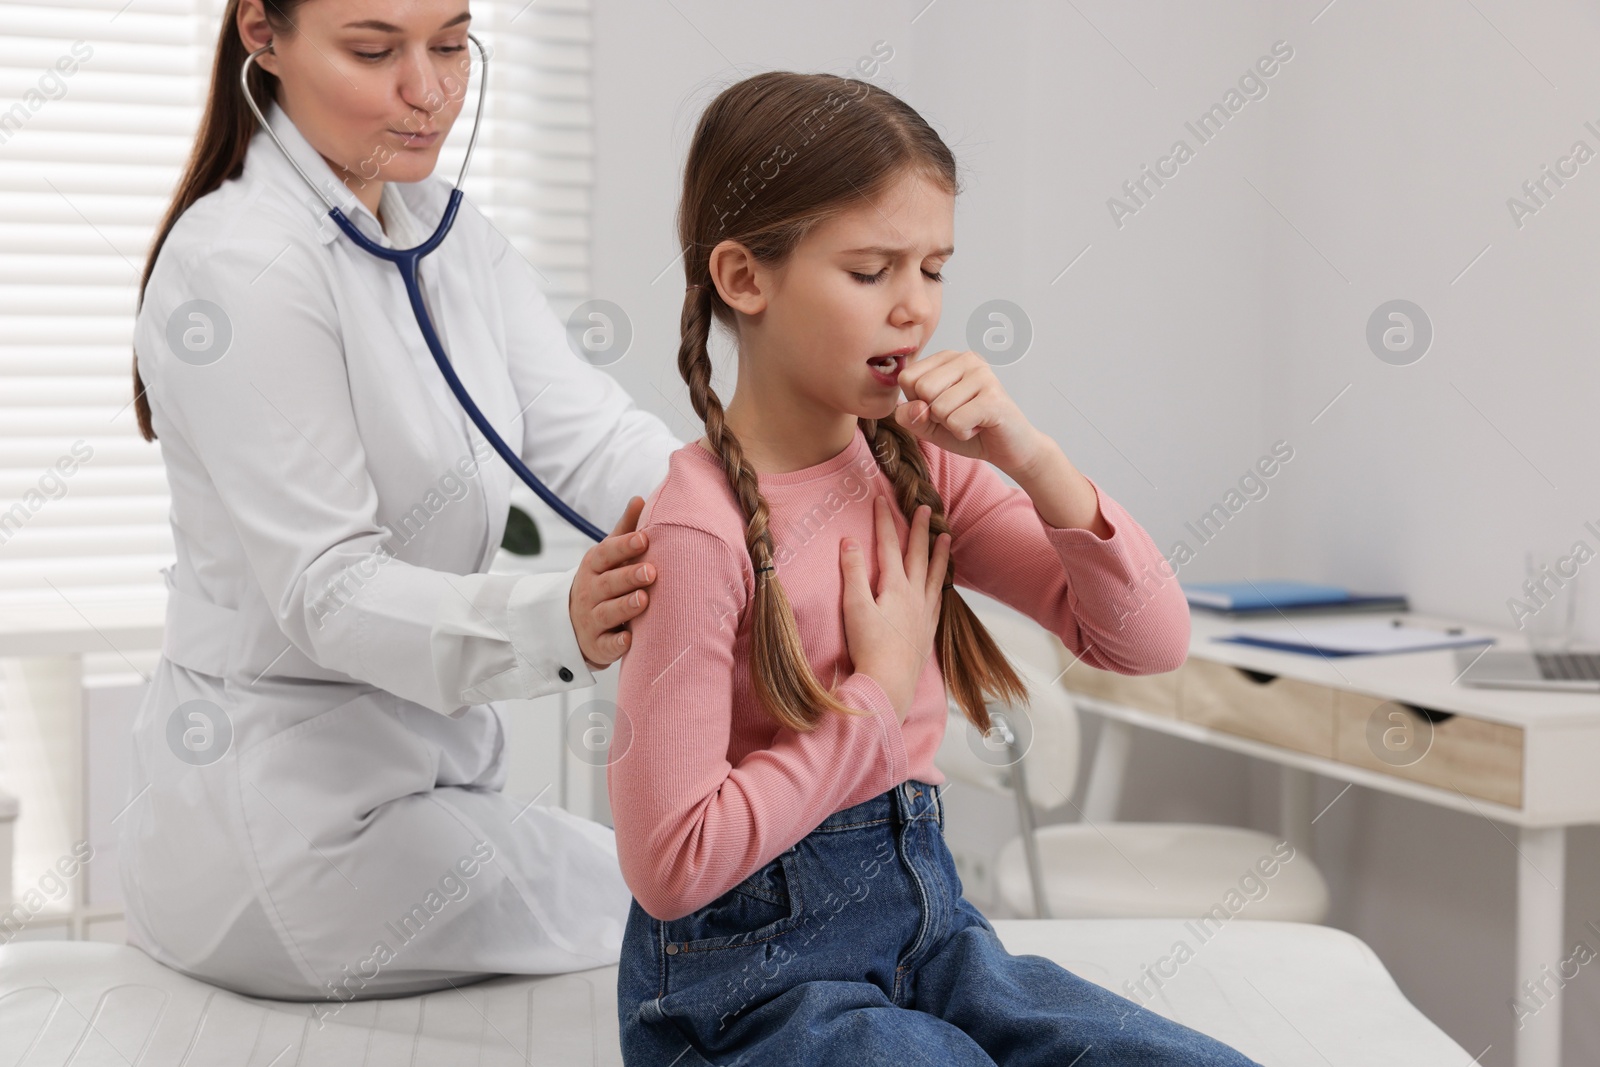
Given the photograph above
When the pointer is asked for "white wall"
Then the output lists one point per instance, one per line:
(656, 67)
(1396, 154)
(1225, 315)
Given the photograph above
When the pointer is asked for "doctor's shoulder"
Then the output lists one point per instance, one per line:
(232, 248)
(236, 220)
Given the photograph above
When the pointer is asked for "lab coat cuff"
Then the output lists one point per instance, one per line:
(505, 637)
(541, 620)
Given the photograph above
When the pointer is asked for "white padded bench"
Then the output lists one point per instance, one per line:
(1286, 994)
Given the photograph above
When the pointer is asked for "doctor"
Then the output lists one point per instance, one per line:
(316, 808)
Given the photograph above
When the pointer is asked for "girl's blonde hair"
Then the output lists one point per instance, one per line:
(772, 156)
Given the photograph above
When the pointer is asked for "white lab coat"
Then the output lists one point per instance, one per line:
(333, 509)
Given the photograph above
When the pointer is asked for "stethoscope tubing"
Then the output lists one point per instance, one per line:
(409, 262)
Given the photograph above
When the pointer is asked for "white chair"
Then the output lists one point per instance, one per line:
(1081, 870)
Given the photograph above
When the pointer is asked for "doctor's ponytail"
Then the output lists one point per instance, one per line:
(772, 156)
(220, 146)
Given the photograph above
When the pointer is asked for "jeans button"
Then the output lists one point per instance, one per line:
(672, 950)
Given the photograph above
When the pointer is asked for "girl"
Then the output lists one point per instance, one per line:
(779, 818)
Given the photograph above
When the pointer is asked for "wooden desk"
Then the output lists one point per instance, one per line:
(1395, 723)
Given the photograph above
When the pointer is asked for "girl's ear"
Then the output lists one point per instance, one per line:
(738, 277)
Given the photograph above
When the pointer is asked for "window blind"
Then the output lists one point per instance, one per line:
(97, 110)
(99, 104)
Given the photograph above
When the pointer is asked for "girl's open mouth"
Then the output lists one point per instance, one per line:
(887, 369)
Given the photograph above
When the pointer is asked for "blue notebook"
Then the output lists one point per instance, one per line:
(1268, 595)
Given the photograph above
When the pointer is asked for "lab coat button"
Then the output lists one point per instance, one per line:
(566, 675)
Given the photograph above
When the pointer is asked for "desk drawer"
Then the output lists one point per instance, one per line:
(1482, 759)
(1155, 693)
(1279, 711)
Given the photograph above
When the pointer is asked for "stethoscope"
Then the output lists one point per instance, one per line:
(409, 260)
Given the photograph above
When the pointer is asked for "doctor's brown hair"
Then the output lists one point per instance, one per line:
(219, 150)
(772, 156)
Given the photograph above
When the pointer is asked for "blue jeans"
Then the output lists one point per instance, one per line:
(856, 947)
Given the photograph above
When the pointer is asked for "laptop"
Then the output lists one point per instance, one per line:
(1572, 671)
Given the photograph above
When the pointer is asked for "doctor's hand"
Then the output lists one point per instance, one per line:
(889, 633)
(608, 590)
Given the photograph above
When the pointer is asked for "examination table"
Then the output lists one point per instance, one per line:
(1284, 993)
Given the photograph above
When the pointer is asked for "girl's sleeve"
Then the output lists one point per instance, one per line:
(1114, 602)
(689, 824)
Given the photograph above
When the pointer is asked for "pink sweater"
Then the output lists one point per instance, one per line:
(705, 787)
